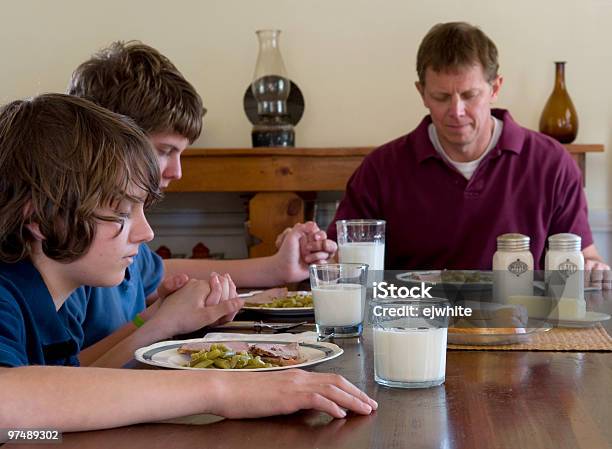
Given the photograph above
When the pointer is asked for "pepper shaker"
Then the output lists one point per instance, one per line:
(512, 267)
(564, 264)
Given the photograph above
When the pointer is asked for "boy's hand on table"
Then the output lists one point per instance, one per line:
(285, 392)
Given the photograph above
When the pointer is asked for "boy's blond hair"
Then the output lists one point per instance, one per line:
(62, 158)
(136, 80)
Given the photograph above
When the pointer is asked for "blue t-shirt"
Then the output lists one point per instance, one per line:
(32, 332)
(109, 308)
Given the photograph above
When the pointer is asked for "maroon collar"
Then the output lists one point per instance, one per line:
(511, 139)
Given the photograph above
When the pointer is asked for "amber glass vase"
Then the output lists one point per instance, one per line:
(559, 119)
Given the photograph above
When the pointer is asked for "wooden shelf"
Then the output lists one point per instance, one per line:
(276, 174)
(579, 148)
(268, 169)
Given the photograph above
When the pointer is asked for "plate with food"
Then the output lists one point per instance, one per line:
(460, 279)
(478, 336)
(494, 324)
(589, 319)
(559, 312)
(236, 355)
(280, 302)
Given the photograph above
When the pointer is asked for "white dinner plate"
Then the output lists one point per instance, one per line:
(541, 285)
(434, 277)
(494, 338)
(282, 311)
(164, 354)
(590, 319)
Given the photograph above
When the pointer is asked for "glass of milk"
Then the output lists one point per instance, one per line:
(338, 294)
(410, 342)
(363, 241)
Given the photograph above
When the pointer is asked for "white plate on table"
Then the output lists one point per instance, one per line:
(590, 319)
(282, 311)
(164, 354)
(435, 278)
(493, 336)
(279, 311)
(541, 285)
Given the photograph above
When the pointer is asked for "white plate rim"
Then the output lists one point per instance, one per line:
(144, 354)
(496, 339)
(405, 277)
(284, 311)
(595, 318)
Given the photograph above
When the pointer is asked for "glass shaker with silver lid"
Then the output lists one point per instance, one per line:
(564, 265)
(512, 267)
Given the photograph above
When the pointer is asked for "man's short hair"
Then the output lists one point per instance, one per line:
(136, 80)
(456, 45)
(62, 158)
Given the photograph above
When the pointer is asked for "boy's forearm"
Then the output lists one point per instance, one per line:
(126, 342)
(258, 272)
(91, 354)
(73, 399)
(88, 356)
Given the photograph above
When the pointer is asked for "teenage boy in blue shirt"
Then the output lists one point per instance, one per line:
(74, 181)
(135, 80)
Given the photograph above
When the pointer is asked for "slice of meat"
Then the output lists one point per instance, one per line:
(281, 362)
(286, 351)
(267, 296)
(197, 346)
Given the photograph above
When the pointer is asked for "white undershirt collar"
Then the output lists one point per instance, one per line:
(467, 169)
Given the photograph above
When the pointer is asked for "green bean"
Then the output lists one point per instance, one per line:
(212, 355)
(220, 357)
(256, 362)
(203, 364)
(198, 357)
(243, 361)
(221, 363)
(234, 361)
(289, 301)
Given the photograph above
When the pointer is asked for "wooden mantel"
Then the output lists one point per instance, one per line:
(268, 169)
(275, 174)
(578, 153)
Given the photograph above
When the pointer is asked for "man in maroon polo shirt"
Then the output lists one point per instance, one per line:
(467, 173)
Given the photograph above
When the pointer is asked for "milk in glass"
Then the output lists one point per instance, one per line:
(410, 356)
(338, 305)
(371, 253)
(410, 348)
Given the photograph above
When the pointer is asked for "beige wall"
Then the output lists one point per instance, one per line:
(353, 59)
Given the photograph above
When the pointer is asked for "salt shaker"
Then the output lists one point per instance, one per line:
(564, 265)
(512, 267)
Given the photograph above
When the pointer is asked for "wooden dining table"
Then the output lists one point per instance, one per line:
(490, 399)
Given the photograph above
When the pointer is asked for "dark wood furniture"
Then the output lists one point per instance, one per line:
(491, 399)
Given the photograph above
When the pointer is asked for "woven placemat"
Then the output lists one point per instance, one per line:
(557, 339)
